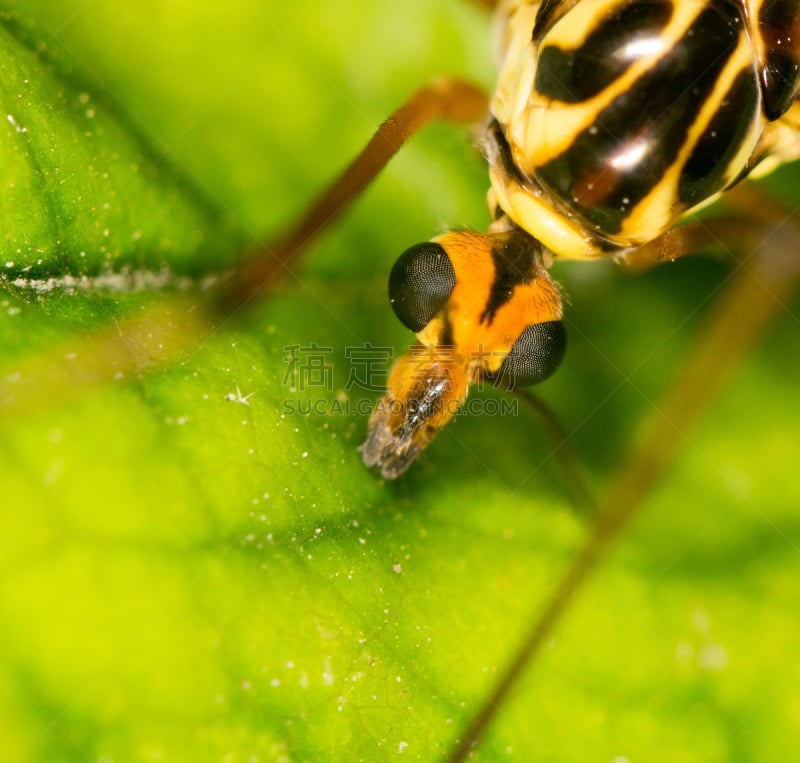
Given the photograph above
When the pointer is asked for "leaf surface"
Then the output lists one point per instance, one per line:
(195, 563)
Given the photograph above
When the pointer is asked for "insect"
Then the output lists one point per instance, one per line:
(508, 242)
(612, 121)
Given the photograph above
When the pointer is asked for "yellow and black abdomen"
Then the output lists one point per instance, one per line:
(619, 117)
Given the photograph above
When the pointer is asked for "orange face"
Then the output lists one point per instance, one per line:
(483, 308)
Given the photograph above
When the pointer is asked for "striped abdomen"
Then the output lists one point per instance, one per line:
(625, 115)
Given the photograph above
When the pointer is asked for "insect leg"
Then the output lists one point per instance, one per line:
(759, 287)
(448, 99)
(706, 236)
(752, 217)
(572, 478)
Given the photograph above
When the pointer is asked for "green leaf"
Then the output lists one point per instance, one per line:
(81, 189)
(194, 570)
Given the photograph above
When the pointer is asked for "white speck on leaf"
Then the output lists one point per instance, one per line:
(327, 673)
(13, 123)
(713, 657)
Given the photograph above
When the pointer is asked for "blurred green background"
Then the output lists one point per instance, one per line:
(190, 573)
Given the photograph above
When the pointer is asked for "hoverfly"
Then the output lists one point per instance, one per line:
(612, 121)
(509, 242)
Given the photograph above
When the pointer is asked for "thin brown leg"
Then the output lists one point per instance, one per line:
(753, 213)
(174, 326)
(758, 289)
(571, 477)
(448, 99)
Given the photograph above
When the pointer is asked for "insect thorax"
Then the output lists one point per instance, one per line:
(614, 119)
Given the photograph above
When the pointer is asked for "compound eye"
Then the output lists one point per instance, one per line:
(420, 284)
(534, 356)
